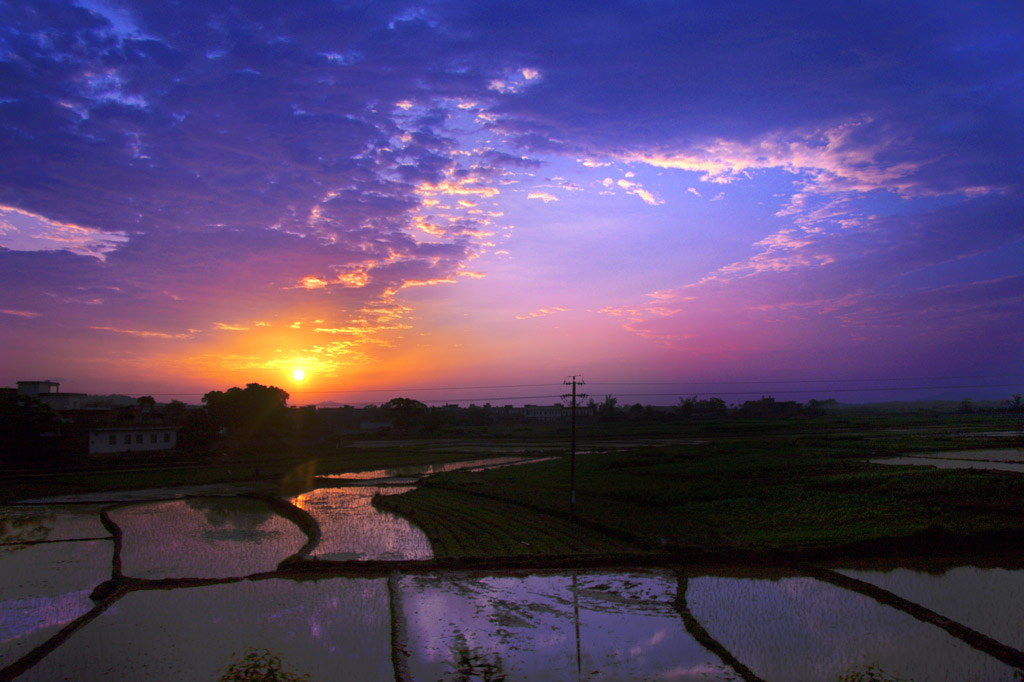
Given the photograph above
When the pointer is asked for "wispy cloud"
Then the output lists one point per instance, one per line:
(542, 312)
(146, 334)
(634, 188)
(22, 230)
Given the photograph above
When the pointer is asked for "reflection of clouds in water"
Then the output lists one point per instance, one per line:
(989, 600)
(696, 672)
(331, 629)
(352, 528)
(627, 628)
(43, 587)
(416, 470)
(204, 537)
(801, 628)
(21, 616)
(236, 512)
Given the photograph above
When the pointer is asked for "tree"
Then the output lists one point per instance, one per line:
(685, 407)
(254, 410)
(819, 407)
(146, 402)
(175, 411)
(714, 407)
(27, 427)
(406, 413)
(608, 410)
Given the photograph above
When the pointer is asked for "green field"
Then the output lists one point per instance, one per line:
(779, 492)
(662, 487)
(461, 525)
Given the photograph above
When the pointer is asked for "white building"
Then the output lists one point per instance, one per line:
(111, 439)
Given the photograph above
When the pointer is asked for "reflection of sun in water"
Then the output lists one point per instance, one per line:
(298, 375)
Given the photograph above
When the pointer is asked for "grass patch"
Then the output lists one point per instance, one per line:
(777, 493)
(462, 524)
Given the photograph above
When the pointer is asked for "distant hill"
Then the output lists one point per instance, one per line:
(114, 400)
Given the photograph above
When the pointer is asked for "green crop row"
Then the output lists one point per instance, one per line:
(461, 524)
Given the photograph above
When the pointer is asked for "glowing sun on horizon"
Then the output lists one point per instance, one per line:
(298, 375)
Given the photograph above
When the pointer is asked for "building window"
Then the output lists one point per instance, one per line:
(152, 438)
(127, 439)
(138, 438)
(113, 440)
(167, 438)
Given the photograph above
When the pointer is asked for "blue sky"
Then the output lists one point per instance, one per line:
(392, 194)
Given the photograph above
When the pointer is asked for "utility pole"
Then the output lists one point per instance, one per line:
(575, 380)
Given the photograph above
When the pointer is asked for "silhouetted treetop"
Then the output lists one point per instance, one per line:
(254, 410)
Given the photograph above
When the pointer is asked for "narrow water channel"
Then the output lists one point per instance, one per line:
(995, 459)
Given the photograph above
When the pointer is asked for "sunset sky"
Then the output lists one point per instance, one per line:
(788, 198)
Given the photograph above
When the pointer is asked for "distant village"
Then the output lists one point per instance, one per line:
(38, 420)
(38, 415)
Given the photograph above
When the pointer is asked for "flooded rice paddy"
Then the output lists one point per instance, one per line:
(203, 589)
(590, 626)
(799, 628)
(987, 599)
(203, 537)
(353, 529)
(415, 472)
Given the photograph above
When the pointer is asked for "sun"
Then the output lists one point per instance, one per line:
(298, 375)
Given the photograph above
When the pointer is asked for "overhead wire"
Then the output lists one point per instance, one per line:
(685, 388)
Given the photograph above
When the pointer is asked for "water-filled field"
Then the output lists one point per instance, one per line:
(202, 588)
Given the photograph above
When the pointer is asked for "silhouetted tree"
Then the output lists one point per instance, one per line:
(27, 430)
(819, 407)
(406, 413)
(767, 406)
(305, 420)
(175, 411)
(146, 402)
(254, 410)
(608, 409)
(716, 407)
(686, 406)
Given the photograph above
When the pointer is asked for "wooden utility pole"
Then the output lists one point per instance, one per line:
(575, 380)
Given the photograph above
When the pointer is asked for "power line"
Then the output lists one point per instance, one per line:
(682, 390)
(834, 390)
(795, 381)
(382, 390)
(441, 388)
(717, 393)
(513, 397)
